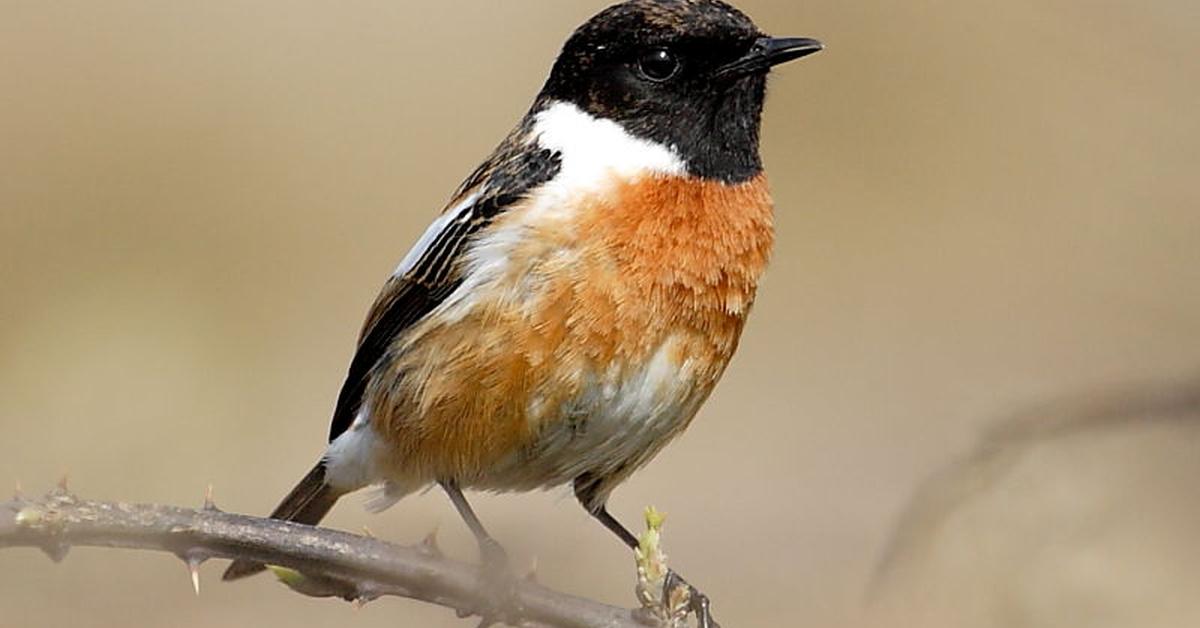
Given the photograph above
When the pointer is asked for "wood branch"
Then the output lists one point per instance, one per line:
(333, 563)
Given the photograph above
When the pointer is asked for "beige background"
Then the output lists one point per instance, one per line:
(981, 206)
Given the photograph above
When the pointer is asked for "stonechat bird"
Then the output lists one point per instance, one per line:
(583, 290)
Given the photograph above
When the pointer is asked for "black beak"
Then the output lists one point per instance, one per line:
(768, 52)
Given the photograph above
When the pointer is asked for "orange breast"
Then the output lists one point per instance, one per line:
(686, 254)
(586, 295)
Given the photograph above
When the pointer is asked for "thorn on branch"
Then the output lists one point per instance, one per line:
(209, 504)
(531, 575)
(193, 559)
(56, 552)
(194, 571)
(429, 546)
(367, 593)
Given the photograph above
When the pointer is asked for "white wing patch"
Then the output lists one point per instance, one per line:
(458, 212)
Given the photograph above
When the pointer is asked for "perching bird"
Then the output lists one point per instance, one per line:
(581, 294)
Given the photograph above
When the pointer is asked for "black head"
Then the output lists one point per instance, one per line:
(690, 74)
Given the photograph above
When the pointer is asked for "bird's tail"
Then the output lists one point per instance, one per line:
(307, 503)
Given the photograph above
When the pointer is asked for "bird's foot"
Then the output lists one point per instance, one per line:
(676, 590)
(497, 599)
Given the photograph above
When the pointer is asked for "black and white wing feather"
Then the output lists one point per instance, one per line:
(429, 273)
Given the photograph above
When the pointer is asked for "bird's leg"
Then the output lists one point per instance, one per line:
(698, 601)
(490, 551)
(498, 584)
(610, 522)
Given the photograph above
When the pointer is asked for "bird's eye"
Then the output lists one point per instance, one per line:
(658, 65)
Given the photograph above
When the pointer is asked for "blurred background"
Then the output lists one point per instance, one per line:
(983, 208)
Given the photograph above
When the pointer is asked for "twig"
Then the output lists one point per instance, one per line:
(334, 564)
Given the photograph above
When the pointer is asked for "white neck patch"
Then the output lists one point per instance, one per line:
(593, 149)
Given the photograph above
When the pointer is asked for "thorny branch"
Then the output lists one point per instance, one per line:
(334, 563)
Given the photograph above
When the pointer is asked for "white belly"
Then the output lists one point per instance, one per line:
(615, 426)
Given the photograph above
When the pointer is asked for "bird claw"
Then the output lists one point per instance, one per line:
(697, 603)
(493, 555)
(497, 586)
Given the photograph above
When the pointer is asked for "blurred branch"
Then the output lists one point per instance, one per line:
(333, 563)
(1004, 445)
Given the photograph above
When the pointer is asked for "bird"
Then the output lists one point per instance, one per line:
(580, 295)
